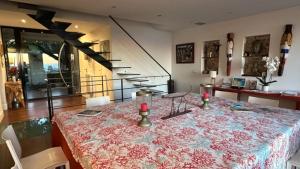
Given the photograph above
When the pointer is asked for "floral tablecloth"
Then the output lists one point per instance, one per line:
(216, 138)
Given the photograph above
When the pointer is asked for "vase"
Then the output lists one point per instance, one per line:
(15, 103)
(14, 79)
(265, 88)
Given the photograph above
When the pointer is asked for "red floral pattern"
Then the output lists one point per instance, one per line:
(216, 138)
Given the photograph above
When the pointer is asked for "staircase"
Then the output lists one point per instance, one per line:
(45, 18)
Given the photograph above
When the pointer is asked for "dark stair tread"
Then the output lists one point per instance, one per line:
(61, 25)
(121, 67)
(44, 15)
(144, 85)
(73, 35)
(123, 74)
(85, 44)
(137, 80)
(102, 52)
(114, 60)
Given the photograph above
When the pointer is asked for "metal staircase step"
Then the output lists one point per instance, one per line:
(154, 92)
(136, 80)
(44, 15)
(121, 67)
(102, 52)
(84, 44)
(114, 60)
(73, 35)
(61, 25)
(144, 85)
(125, 74)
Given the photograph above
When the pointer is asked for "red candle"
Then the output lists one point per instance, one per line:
(205, 95)
(144, 107)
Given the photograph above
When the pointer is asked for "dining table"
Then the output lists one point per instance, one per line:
(220, 137)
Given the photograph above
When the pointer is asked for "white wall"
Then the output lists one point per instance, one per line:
(157, 42)
(267, 23)
(3, 104)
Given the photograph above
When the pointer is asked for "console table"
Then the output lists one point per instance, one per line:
(243, 94)
(14, 89)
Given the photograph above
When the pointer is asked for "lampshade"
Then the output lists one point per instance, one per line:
(213, 74)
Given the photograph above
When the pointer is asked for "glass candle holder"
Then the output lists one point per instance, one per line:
(143, 104)
(206, 89)
(143, 100)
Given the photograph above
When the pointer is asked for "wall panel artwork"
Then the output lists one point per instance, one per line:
(285, 45)
(185, 53)
(256, 47)
(230, 45)
(211, 56)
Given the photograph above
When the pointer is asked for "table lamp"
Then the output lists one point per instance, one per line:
(213, 75)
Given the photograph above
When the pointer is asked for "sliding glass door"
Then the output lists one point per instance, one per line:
(34, 53)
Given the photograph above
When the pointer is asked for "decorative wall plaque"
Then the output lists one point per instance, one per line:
(185, 53)
(211, 56)
(285, 45)
(256, 47)
(230, 45)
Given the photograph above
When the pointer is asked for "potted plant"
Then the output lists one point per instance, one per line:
(12, 73)
(272, 65)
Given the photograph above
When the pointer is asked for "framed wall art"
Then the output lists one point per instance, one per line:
(255, 48)
(185, 53)
(211, 56)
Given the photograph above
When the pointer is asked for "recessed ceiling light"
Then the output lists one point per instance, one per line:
(23, 20)
(76, 26)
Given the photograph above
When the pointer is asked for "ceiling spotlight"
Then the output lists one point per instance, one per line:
(76, 26)
(23, 20)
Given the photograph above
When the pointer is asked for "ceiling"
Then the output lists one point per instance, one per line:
(169, 14)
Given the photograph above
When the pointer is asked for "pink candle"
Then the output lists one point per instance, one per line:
(144, 107)
(205, 95)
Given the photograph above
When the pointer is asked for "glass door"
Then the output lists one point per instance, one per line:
(35, 55)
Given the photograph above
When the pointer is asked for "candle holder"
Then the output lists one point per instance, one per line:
(205, 103)
(143, 105)
(144, 122)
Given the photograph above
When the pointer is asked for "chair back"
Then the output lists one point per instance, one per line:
(97, 101)
(133, 95)
(226, 95)
(13, 145)
(262, 101)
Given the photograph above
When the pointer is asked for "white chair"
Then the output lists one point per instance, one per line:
(226, 95)
(294, 161)
(97, 101)
(262, 101)
(47, 159)
(133, 95)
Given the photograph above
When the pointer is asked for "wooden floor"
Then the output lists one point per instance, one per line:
(39, 108)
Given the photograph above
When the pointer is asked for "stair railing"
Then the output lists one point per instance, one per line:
(138, 44)
(100, 81)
